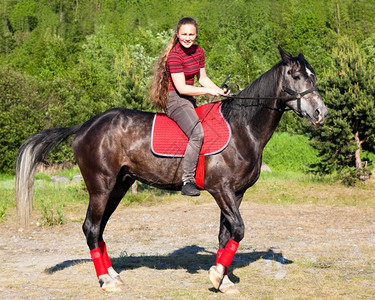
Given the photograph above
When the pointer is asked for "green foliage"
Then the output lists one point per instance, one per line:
(286, 152)
(30, 105)
(349, 93)
(348, 176)
(62, 61)
(142, 197)
(41, 176)
(6, 194)
(49, 216)
(131, 80)
(22, 17)
(2, 212)
(20, 114)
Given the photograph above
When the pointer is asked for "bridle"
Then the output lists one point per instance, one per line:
(293, 95)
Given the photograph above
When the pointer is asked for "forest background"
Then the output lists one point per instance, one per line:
(65, 61)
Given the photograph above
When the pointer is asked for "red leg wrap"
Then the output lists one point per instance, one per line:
(97, 259)
(218, 255)
(226, 257)
(103, 249)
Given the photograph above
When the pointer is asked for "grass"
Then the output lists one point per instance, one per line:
(297, 188)
(286, 152)
(53, 200)
(6, 194)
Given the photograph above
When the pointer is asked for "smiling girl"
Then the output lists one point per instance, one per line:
(173, 89)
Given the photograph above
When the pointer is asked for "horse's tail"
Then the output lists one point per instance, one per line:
(33, 151)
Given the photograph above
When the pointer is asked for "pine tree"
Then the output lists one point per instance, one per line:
(349, 94)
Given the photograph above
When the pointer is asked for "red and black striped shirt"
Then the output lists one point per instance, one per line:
(187, 60)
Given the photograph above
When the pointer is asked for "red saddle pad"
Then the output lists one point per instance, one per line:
(167, 139)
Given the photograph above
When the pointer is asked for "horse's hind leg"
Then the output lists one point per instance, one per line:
(117, 194)
(92, 228)
(102, 204)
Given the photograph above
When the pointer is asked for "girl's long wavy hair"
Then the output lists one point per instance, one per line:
(160, 84)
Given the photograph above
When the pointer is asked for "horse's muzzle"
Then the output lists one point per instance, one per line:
(319, 115)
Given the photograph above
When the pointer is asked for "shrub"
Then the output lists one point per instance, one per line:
(286, 152)
(20, 115)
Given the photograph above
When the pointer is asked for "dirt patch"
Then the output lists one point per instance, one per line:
(165, 250)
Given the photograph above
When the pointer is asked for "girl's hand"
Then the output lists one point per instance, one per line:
(218, 92)
(226, 92)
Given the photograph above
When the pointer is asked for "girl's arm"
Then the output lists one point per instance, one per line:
(205, 81)
(207, 88)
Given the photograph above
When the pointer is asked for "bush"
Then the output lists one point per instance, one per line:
(20, 115)
(29, 105)
(286, 152)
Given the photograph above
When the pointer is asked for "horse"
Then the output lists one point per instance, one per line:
(112, 151)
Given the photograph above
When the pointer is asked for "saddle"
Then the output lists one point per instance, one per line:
(168, 140)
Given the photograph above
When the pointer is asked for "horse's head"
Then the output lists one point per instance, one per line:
(298, 81)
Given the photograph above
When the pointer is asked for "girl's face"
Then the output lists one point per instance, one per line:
(187, 35)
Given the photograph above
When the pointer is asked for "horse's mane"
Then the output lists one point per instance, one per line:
(244, 110)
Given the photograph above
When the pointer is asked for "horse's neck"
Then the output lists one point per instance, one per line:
(264, 124)
(266, 117)
(253, 115)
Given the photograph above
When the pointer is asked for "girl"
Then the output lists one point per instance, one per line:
(173, 90)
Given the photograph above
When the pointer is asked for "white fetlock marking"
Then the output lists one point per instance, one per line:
(226, 281)
(227, 286)
(116, 276)
(112, 272)
(221, 269)
(105, 279)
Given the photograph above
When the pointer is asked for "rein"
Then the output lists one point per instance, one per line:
(293, 95)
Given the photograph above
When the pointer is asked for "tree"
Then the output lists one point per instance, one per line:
(349, 86)
(20, 115)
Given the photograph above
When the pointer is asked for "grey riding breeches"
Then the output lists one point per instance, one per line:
(180, 108)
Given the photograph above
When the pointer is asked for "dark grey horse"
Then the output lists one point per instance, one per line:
(113, 150)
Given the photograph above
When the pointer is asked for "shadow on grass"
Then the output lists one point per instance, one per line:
(192, 258)
(65, 264)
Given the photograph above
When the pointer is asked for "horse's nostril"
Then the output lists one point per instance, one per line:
(317, 113)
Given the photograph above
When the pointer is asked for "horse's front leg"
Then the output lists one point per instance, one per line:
(231, 233)
(225, 285)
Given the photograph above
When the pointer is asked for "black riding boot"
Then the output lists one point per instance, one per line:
(190, 189)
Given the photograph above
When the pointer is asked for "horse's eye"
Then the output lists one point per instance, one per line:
(296, 77)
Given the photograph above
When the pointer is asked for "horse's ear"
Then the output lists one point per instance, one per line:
(301, 57)
(286, 57)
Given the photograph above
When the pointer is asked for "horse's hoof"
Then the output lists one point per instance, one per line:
(108, 284)
(228, 287)
(115, 275)
(118, 280)
(230, 290)
(215, 276)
